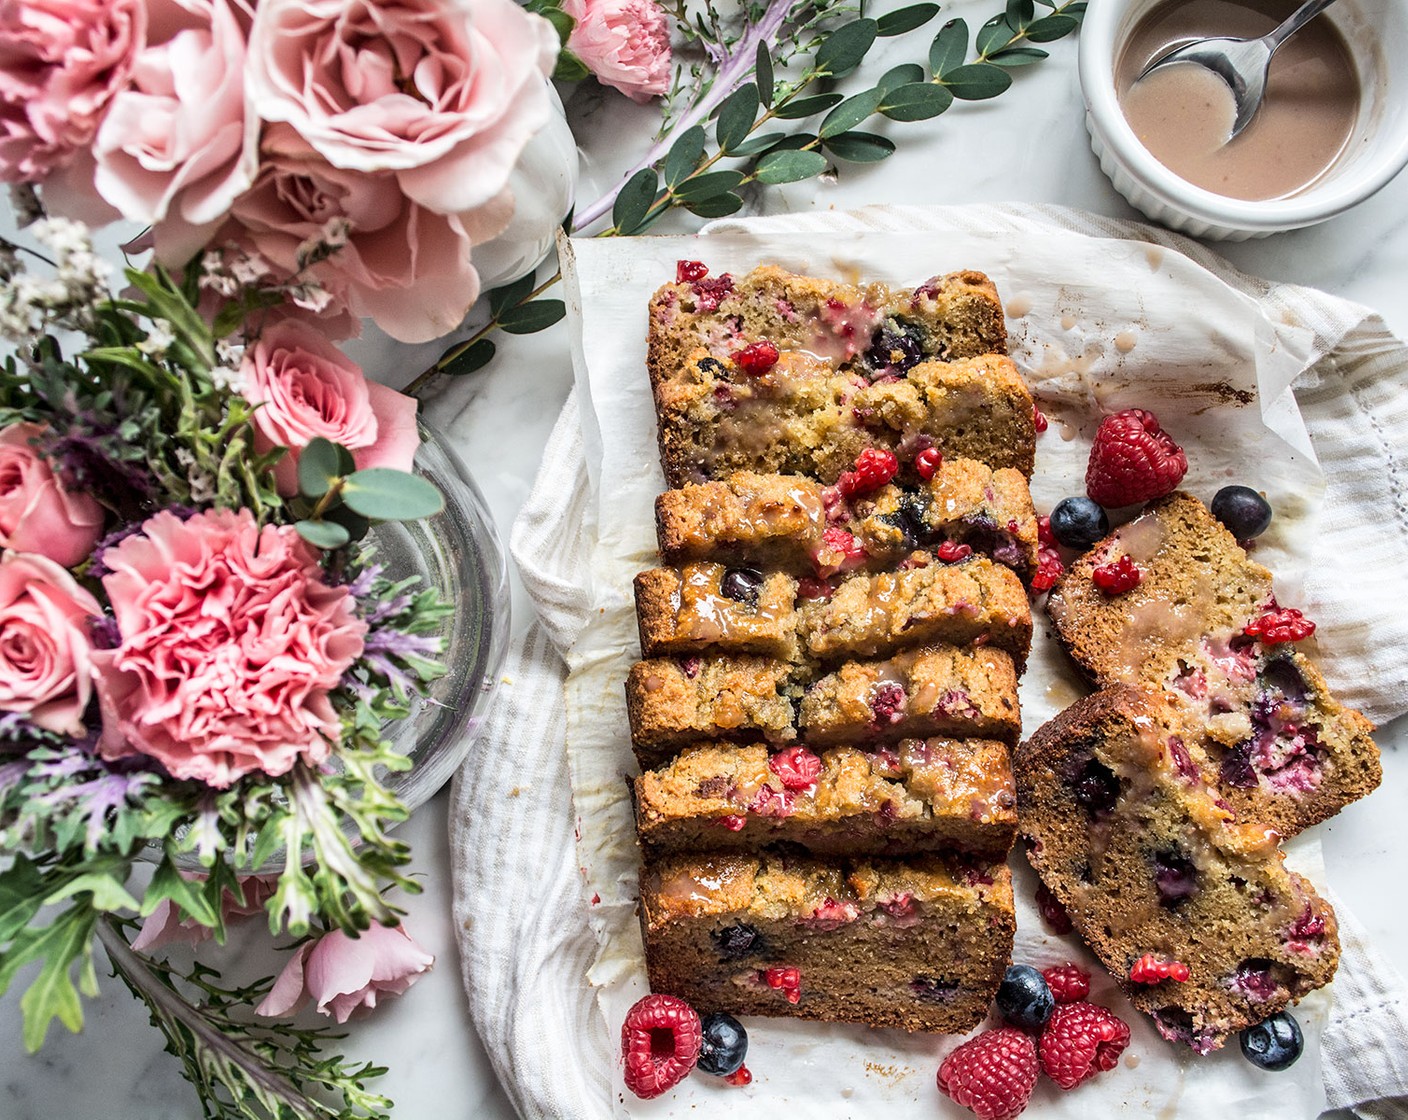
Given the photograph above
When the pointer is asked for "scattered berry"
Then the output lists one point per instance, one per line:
(798, 767)
(723, 1044)
(1117, 577)
(1150, 969)
(928, 462)
(740, 1076)
(1039, 419)
(1078, 523)
(951, 553)
(1052, 912)
(757, 358)
(1274, 1044)
(786, 980)
(1024, 999)
(1081, 1040)
(992, 1075)
(1069, 983)
(1132, 460)
(686, 272)
(1245, 512)
(1043, 532)
(1048, 569)
(874, 468)
(1280, 624)
(660, 1040)
(742, 585)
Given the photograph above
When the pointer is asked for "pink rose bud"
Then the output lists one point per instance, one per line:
(36, 513)
(341, 974)
(163, 926)
(307, 388)
(46, 672)
(624, 43)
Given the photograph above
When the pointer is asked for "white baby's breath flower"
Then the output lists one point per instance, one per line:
(228, 379)
(310, 296)
(158, 340)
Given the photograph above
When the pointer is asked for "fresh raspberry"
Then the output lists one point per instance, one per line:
(708, 294)
(992, 1075)
(686, 272)
(1048, 569)
(1280, 624)
(874, 468)
(771, 802)
(1069, 983)
(786, 980)
(1039, 419)
(1080, 1041)
(1133, 460)
(1150, 969)
(840, 552)
(740, 1076)
(951, 553)
(660, 1042)
(1117, 577)
(887, 704)
(797, 767)
(1052, 912)
(927, 463)
(1044, 535)
(757, 358)
(1308, 926)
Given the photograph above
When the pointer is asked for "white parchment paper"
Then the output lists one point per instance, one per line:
(1095, 326)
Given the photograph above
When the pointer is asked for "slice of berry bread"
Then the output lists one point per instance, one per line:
(672, 702)
(919, 944)
(710, 608)
(921, 795)
(940, 690)
(1152, 867)
(1202, 623)
(971, 601)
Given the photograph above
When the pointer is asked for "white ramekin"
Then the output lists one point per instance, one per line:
(1377, 34)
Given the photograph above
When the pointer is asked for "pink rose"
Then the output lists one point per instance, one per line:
(36, 513)
(177, 140)
(443, 93)
(306, 387)
(61, 61)
(45, 669)
(624, 43)
(231, 642)
(164, 926)
(405, 267)
(341, 974)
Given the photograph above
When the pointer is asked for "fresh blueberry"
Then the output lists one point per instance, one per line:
(723, 1044)
(1245, 512)
(1078, 523)
(1097, 788)
(1274, 1044)
(1024, 998)
(893, 351)
(742, 585)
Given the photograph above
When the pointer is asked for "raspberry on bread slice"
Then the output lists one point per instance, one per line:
(710, 608)
(1158, 877)
(920, 795)
(940, 690)
(1281, 749)
(920, 944)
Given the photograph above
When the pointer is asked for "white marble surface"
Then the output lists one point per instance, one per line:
(1029, 145)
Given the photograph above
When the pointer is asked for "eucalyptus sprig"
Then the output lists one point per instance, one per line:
(770, 117)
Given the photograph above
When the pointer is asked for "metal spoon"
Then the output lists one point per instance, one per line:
(1241, 63)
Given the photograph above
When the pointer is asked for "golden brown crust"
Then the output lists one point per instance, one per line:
(769, 520)
(682, 611)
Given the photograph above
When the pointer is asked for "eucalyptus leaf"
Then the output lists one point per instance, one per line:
(510, 295)
(790, 167)
(901, 75)
(326, 535)
(736, 116)
(844, 49)
(685, 154)
(994, 36)
(477, 356)
(1018, 56)
(905, 19)
(797, 142)
(708, 185)
(529, 318)
(763, 74)
(860, 147)
(719, 206)
(917, 101)
(950, 47)
(634, 201)
(318, 467)
(356, 525)
(389, 495)
(756, 145)
(977, 82)
(1050, 28)
(806, 106)
(1019, 13)
(850, 113)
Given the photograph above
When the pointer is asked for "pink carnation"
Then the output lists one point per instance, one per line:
(341, 974)
(624, 43)
(231, 642)
(61, 62)
(176, 148)
(37, 514)
(306, 388)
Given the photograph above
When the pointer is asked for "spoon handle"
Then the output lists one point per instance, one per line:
(1295, 21)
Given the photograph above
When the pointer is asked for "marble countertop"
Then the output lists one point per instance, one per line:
(1029, 145)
